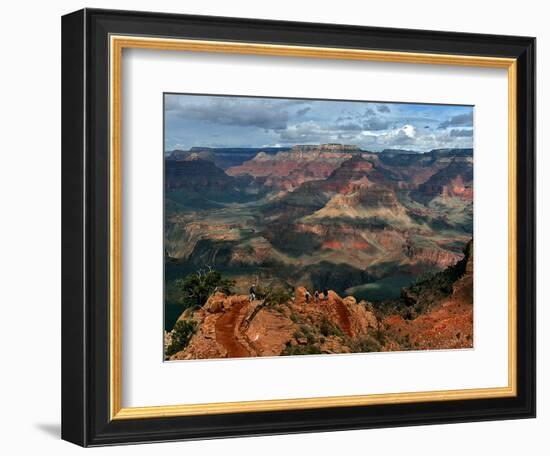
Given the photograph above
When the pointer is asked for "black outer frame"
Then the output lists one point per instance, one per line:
(85, 227)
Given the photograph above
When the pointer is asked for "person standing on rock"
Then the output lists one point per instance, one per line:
(325, 295)
(252, 295)
(316, 294)
(308, 295)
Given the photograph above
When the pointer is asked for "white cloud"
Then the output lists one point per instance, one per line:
(243, 121)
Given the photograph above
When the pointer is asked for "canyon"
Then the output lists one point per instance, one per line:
(365, 225)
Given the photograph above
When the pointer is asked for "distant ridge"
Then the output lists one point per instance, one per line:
(223, 157)
(442, 151)
(326, 147)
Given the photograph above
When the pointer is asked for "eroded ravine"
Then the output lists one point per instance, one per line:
(226, 332)
(343, 317)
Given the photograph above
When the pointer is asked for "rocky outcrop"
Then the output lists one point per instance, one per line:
(218, 335)
(431, 255)
(234, 327)
(269, 331)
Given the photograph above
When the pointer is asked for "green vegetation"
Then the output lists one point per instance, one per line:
(273, 296)
(330, 329)
(196, 288)
(309, 349)
(365, 345)
(306, 332)
(181, 335)
(190, 291)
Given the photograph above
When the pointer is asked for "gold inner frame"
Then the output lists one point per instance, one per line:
(117, 44)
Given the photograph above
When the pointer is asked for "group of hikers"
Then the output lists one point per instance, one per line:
(316, 295)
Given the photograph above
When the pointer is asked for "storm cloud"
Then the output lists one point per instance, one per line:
(465, 119)
(243, 112)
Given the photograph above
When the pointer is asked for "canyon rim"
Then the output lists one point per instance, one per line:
(304, 227)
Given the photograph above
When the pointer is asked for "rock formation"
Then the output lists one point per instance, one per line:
(234, 327)
(289, 169)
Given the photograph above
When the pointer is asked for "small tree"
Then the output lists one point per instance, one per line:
(197, 287)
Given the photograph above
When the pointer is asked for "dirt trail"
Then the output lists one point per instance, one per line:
(225, 332)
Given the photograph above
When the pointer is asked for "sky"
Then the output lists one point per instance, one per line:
(232, 121)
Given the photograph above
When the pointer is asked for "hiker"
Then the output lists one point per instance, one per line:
(252, 295)
(316, 294)
(308, 295)
(325, 294)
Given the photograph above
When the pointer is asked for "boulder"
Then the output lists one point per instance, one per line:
(215, 303)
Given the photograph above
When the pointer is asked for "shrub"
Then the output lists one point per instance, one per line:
(330, 329)
(308, 334)
(421, 307)
(309, 349)
(365, 345)
(273, 296)
(181, 335)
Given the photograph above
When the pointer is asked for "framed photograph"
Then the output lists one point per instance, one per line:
(278, 227)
